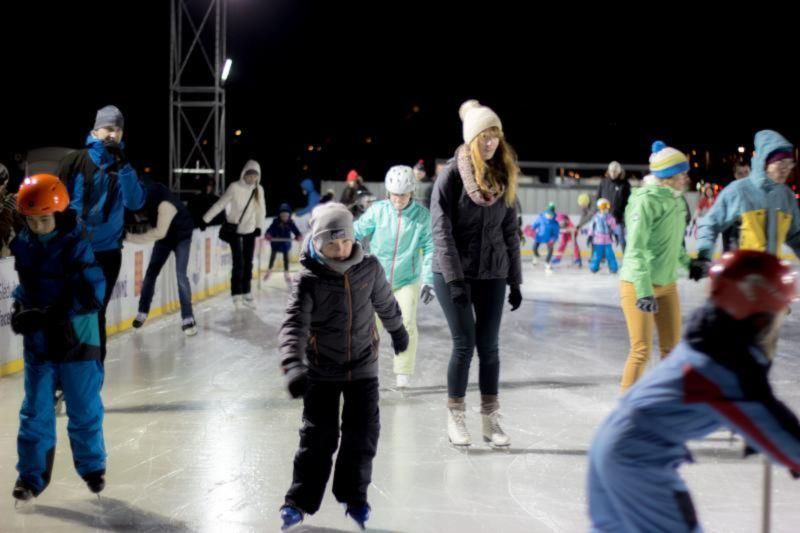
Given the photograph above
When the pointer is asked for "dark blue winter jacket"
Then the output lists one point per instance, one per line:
(282, 230)
(58, 272)
(93, 172)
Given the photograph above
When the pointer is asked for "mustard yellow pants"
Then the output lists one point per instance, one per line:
(640, 328)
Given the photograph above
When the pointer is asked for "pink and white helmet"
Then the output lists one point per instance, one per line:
(400, 179)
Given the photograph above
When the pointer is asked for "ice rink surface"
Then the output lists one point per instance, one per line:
(201, 434)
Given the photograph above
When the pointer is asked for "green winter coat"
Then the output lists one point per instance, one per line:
(655, 220)
(401, 241)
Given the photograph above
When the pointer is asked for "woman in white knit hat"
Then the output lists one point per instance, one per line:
(656, 221)
(474, 222)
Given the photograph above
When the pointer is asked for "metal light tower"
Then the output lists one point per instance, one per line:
(197, 95)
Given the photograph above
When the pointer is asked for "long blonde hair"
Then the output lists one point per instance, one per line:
(499, 174)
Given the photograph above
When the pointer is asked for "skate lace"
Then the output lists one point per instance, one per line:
(459, 418)
(494, 423)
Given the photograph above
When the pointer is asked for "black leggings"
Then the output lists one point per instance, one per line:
(110, 262)
(274, 255)
(242, 249)
(475, 325)
(550, 246)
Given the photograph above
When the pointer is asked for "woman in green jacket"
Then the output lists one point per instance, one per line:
(655, 220)
(399, 229)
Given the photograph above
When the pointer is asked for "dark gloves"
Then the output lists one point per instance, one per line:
(25, 321)
(515, 297)
(115, 150)
(399, 340)
(202, 225)
(589, 241)
(459, 292)
(698, 268)
(426, 294)
(648, 304)
(297, 380)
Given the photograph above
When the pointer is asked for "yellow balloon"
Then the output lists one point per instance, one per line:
(584, 200)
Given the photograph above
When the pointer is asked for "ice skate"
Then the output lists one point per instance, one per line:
(457, 428)
(493, 434)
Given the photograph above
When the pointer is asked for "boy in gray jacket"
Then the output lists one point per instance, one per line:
(329, 349)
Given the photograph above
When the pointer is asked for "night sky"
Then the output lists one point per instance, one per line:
(573, 86)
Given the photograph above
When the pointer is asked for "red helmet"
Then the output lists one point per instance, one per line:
(352, 176)
(746, 282)
(42, 194)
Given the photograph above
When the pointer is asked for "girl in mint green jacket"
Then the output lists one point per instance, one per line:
(399, 230)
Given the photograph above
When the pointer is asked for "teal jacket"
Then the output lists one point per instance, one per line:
(401, 241)
(768, 210)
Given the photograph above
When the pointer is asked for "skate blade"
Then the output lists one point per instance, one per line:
(502, 447)
(24, 506)
(459, 446)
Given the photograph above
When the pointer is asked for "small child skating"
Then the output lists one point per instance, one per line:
(399, 232)
(567, 233)
(717, 377)
(602, 235)
(61, 289)
(329, 350)
(547, 231)
(279, 235)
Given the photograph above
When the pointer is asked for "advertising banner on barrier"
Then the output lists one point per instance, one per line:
(209, 274)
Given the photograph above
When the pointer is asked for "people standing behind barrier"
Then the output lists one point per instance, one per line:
(56, 305)
(617, 190)
(102, 184)
(245, 216)
(477, 254)
(313, 197)
(424, 185)
(171, 229)
(355, 184)
(10, 221)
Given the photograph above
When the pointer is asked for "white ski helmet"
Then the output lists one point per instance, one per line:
(400, 180)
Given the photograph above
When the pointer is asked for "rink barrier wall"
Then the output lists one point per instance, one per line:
(209, 274)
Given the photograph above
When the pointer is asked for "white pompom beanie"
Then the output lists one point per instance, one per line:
(476, 118)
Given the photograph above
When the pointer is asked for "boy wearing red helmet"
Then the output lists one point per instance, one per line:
(716, 377)
(61, 288)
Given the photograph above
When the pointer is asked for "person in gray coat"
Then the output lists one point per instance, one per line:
(476, 234)
(329, 349)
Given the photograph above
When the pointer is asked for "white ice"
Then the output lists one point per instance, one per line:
(201, 434)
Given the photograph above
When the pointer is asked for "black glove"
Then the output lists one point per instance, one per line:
(459, 292)
(115, 150)
(648, 304)
(426, 294)
(589, 241)
(202, 224)
(25, 321)
(698, 268)
(515, 297)
(399, 340)
(297, 381)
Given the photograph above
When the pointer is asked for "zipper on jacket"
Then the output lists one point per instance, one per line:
(396, 245)
(349, 324)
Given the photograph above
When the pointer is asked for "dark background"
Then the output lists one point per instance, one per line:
(587, 84)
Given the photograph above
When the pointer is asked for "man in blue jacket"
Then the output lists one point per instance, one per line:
(102, 184)
(766, 207)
